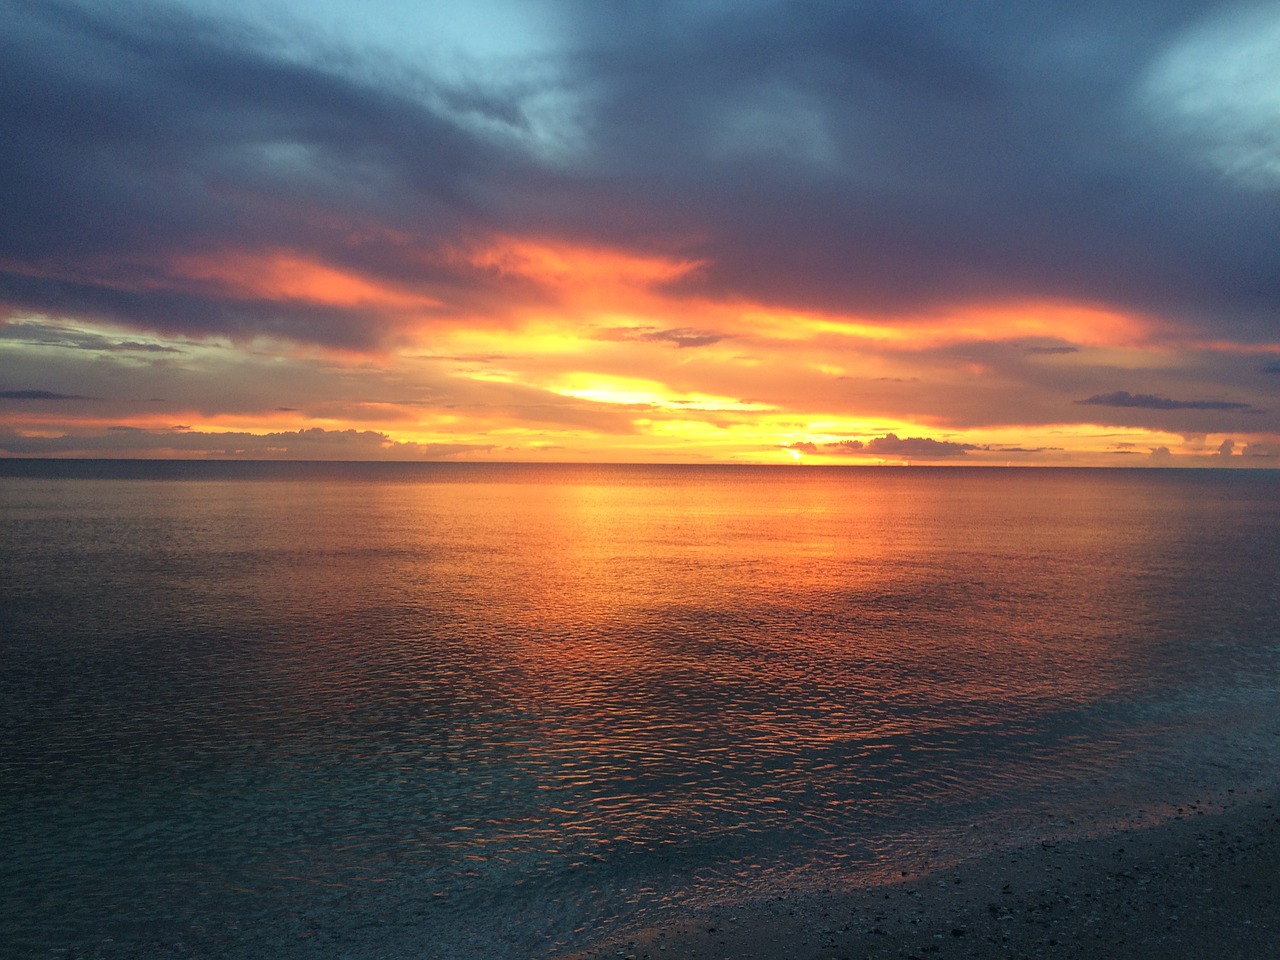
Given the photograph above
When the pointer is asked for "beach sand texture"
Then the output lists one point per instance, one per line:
(1200, 886)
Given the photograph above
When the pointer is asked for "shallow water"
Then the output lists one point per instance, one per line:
(473, 710)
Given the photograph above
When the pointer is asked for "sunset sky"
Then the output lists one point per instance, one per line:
(706, 230)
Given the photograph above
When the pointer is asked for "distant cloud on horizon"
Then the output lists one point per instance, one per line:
(41, 395)
(1146, 401)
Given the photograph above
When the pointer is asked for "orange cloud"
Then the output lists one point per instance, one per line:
(284, 275)
(1077, 323)
(278, 275)
(580, 274)
(573, 351)
(622, 293)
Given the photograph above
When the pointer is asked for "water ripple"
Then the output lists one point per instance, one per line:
(492, 716)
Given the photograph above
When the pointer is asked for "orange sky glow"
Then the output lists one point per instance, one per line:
(893, 244)
(596, 356)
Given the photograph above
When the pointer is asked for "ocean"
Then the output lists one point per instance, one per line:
(500, 711)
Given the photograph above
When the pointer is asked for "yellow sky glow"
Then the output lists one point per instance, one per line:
(594, 356)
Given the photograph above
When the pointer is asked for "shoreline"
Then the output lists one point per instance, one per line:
(1204, 883)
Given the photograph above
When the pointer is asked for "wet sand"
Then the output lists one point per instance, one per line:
(1200, 885)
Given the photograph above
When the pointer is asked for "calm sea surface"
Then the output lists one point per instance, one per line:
(494, 711)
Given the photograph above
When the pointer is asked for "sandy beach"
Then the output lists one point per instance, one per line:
(1203, 884)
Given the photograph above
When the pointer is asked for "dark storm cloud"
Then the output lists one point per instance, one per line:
(133, 133)
(876, 155)
(1146, 401)
(886, 154)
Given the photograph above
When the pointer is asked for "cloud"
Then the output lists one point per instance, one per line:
(999, 449)
(925, 448)
(902, 448)
(930, 217)
(844, 447)
(310, 444)
(682, 337)
(40, 395)
(1215, 90)
(944, 158)
(893, 159)
(35, 333)
(1147, 401)
(188, 137)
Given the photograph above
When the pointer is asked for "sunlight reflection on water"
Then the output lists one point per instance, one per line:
(503, 704)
